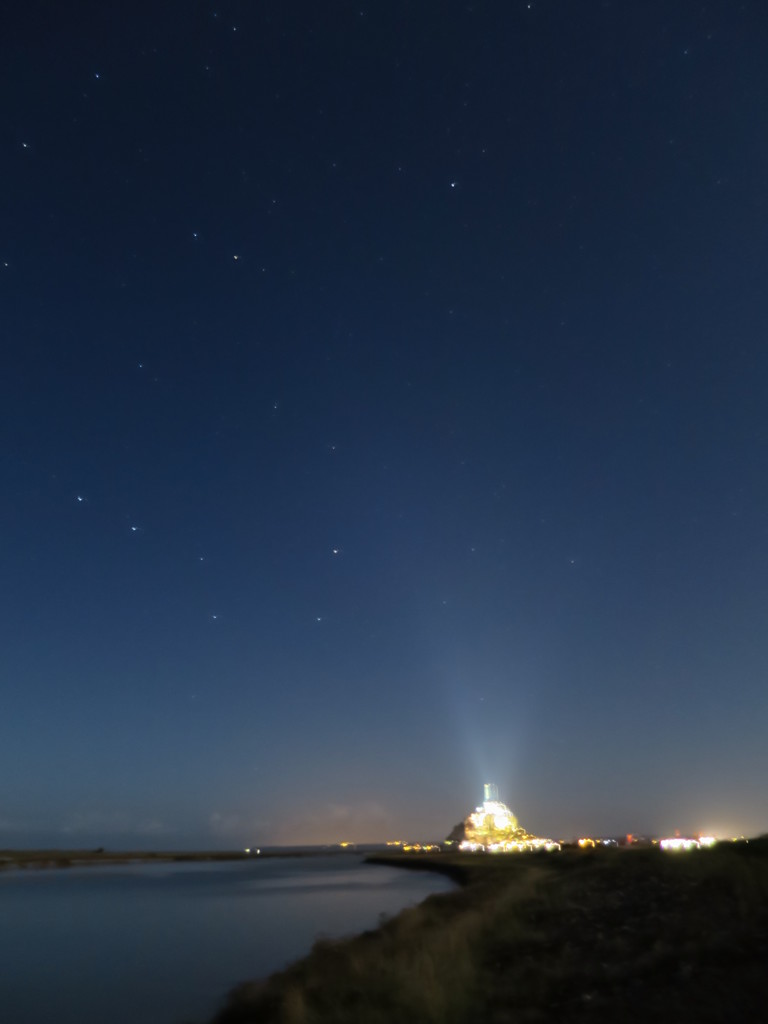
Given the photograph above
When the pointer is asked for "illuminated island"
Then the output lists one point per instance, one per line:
(493, 828)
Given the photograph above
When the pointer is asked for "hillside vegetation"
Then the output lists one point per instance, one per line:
(576, 936)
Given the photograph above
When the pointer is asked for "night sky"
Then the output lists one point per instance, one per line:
(383, 411)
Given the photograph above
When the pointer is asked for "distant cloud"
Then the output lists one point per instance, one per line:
(360, 821)
(9, 825)
(240, 827)
(368, 810)
(94, 822)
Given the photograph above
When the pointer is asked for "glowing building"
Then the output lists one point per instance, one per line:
(493, 828)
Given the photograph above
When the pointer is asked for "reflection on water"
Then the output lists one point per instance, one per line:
(162, 943)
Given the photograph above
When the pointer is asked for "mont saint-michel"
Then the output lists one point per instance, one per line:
(493, 828)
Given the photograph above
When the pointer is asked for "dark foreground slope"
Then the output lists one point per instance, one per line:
(578, 936)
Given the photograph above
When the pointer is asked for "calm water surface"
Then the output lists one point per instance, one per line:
(163, 943)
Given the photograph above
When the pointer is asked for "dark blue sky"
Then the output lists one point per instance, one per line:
(382, 411)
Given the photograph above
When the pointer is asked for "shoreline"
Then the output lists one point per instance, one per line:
(461, 874)
(53, 859)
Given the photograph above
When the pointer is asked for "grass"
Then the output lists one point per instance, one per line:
(576, 936)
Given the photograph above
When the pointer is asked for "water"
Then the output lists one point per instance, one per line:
(163, 943)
